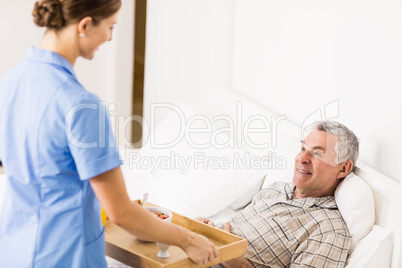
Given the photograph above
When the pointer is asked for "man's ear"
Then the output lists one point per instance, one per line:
(83, 24)
(344, 169)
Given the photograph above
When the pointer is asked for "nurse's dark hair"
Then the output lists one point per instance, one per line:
(56, 14)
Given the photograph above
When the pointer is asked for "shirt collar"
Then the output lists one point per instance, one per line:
(48, 56)
(323, 202)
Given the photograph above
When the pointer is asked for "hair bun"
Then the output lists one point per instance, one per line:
(48, 13)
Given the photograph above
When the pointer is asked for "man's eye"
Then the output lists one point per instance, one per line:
(303, 149)
(315, 153)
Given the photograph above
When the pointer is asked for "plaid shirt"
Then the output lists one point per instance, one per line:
(282, 232)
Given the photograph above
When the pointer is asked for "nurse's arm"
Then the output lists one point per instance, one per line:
(111, 191)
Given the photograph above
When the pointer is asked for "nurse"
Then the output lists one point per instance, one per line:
(60, 156)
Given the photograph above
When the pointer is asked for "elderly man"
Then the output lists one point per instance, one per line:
(298, 224)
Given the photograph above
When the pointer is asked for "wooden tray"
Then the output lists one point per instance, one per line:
(126, 248)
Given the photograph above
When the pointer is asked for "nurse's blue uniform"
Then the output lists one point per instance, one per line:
(54, 136)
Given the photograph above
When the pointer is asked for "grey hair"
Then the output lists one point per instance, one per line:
(347, 148)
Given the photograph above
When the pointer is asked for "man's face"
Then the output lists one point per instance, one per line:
(316, 173)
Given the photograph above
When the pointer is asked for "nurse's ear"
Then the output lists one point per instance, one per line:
(83, 25)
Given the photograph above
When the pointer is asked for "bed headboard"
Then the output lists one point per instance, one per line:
(386, 191)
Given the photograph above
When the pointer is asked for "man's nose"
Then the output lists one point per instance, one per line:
(303, 157)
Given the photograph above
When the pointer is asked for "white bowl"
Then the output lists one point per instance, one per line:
(161, 210)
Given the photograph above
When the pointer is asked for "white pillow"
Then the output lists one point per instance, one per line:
(246, 198)
(356, 204)
(203, 186)
(373, 251)
(199, 191)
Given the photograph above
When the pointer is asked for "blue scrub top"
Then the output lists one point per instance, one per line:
(54, 136)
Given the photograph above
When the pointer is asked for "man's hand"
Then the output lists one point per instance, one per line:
(206, 221)
(227, 227)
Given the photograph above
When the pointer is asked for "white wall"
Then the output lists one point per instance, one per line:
(294, 58)
(109, 74)
(18, 32)
(179, 51)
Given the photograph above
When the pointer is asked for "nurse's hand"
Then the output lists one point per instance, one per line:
(199, 249)
(111, 191)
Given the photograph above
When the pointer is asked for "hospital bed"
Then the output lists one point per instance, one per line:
(216, 182)
(368, 201)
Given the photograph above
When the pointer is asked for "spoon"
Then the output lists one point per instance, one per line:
(144, 199)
